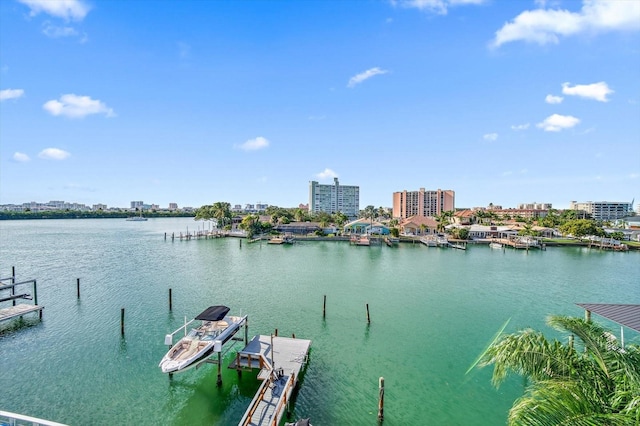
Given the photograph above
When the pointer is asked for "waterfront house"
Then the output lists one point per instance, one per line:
(366, 226)
(419, 225)
(491, 231)
(298, 228)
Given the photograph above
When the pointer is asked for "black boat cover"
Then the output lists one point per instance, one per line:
(213, 313)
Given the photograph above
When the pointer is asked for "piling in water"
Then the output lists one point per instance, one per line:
(78, 287)
(381, 399)
(122, 321)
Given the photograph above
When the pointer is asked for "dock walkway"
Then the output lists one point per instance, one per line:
(280, 360)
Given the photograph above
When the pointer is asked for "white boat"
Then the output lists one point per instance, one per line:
(495, 245)
(137, 218)
(215, 329)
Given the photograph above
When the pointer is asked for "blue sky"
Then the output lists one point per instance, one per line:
(194, 102)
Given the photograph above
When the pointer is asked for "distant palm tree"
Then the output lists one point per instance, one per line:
(590, 382)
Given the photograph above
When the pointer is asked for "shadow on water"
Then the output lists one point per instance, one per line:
(203, 402)
(14, 325)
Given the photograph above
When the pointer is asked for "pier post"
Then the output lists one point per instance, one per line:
(170, 302)
(122, 321)
(381, 399)
(276, 334)
(240, 243)
(13, 275)
(173, 235)
(35, 296)
(587, 315)
(324, 306)
(165, 236)
(368, 318)
(219, 381)
(78, 287)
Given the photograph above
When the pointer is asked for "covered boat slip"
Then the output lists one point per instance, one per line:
(280, 360)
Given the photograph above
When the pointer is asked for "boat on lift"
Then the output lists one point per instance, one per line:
(216, 328)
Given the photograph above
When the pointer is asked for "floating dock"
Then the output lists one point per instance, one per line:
(280, 360)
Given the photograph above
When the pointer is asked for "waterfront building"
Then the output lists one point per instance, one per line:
(173, 206)
(534, 206)
(137, 204)
(422, 203)
(97, 207)
(334, 198)
(418, 225)
(603, 210)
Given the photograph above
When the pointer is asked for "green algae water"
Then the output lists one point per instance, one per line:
(432, 311)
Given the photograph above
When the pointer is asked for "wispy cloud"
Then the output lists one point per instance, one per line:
(53, 154)
(21, 157)
(434, 6)
(520, 126)
(184, 50)
(544, 26)
(557, 122)
(490, 137)
(327, 174)
(66, 9)
(317, 117)
(551, 99)
(254, 144)
(74, 106)
(596, 91)
(55, 31)
(359, 78)
(11, 94)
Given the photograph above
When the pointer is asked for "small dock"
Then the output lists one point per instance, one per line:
(8, 293)
(280, 360)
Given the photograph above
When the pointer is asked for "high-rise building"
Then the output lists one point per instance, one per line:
(603, 210)
(422, 203)
(334, 198)
(137, 204)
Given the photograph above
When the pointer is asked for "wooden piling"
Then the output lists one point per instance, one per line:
(35, 297)
(13, 275)
(381, 399)
(240, 243)
(324, 306)
(368, 318)
(170, 301)
(173, 235)
(78, 287)
(219, 381)
(276, 332)
(122, 321)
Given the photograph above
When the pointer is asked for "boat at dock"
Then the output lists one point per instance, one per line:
(495, 245)
(281, 239)
(215, 329)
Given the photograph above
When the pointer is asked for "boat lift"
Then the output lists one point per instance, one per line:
(220, 347)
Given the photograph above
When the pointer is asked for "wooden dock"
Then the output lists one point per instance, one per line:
(8, 294)
(280, 360)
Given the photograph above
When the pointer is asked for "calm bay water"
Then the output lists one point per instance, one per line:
(432, 312)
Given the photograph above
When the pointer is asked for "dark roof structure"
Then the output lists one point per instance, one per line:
(213, 313)
(627, 315)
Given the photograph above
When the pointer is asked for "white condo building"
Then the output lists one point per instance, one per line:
(334, 198)
(603, 210)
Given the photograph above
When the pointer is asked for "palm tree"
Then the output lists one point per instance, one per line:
(592, 381)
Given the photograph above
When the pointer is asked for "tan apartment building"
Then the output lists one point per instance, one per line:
(422, 203)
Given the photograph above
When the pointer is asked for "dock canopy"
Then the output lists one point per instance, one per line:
(213, 313)
(627, 315)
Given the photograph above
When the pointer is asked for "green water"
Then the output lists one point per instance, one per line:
(432, 312)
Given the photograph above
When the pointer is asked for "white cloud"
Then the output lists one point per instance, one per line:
(11, 94)
(557, 122)
(53, 154)
(597, 91)
(551, 99)
(66, 9)
(544, 26)
(490, 137)
(75, 106)
(327, 174)
(359, 78)
(184, 49)
(435, 6)
(520, 126)
(254, 144)
(55, 31)
(21, 157)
